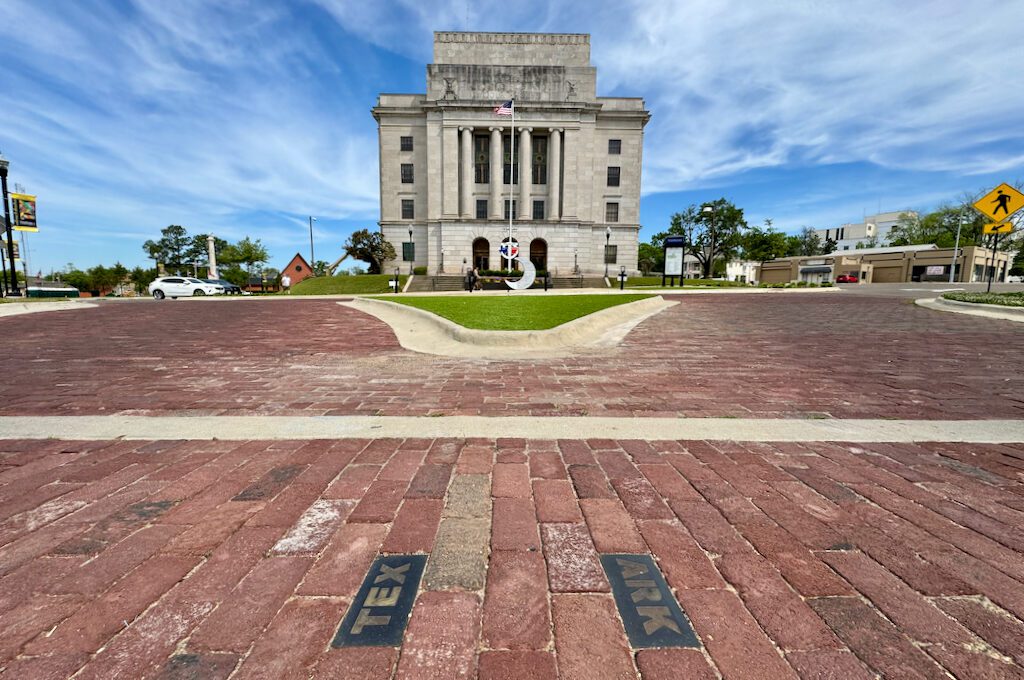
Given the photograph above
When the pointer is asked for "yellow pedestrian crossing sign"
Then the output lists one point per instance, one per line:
(1000, 203)
(998, 228)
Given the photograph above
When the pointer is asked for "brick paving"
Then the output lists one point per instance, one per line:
(172, 559)
(712, 355)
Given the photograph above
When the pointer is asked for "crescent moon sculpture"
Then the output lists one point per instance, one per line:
(529, 274)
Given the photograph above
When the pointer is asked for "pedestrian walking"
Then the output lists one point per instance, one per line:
(286, 284)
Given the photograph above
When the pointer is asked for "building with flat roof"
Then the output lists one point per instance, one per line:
(874, 228)
(449, 179)
(897, 264)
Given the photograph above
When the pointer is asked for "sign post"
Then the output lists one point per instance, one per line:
(999, 204)
(675, 256)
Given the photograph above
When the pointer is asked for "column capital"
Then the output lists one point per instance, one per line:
(463, 128)
(495, 128)
(526, 129)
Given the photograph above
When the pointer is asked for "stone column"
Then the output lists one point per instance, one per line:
(450, 171)
(554, 174)
(467, 173)
(495, 204)
(525, 210)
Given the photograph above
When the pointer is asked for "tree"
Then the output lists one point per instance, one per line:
(141, 278)
(650, 258)
(320, 268)
(170, 248)
(370, 247)
(762, 244)
(829, 246)
(709, 235)
(249, 253)
(807, 243)
(1018, 262)
(198, 251)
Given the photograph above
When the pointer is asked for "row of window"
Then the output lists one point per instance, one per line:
(614, 145)
(540, 173)
(611, 210)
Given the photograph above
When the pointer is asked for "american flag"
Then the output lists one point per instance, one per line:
(504, 109)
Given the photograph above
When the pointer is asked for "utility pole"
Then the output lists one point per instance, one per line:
(312, 259)
(13, 291)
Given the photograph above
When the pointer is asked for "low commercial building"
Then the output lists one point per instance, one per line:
(899, 264)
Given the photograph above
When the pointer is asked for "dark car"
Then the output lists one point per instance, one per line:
(842, 278)
(229, 288)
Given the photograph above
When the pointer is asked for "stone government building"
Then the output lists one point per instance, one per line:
(445, 158)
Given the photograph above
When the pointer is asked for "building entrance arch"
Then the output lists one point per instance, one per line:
(481, 254)
(539, 254)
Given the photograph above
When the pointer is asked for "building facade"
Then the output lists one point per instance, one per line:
(875, 229)
(899, 264)
(449, 179)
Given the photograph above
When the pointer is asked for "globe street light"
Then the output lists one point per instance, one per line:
(14, 292)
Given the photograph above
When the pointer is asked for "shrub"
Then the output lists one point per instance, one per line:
(419, 271)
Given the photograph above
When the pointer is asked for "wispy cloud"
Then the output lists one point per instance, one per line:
(240, 115)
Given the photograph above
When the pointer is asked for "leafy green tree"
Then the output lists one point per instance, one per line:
(1017, 269)
(170, 249)
(198, 251)
(806, 243)
(710, 235)
(829, 246)
(370, 247)
(141, 277)
(319, 268)
(650, 258)
(762, 244)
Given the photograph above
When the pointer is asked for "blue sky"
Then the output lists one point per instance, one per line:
(243, 117)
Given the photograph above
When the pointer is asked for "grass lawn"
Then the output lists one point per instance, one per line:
(346, 285)
(514, 313)
(1004, 299)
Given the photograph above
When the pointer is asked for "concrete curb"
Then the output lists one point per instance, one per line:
(973, 309)
(421, 331)
(17, 308)
(244, 428)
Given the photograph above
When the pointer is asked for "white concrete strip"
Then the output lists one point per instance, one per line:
(16, 308)
(974, 309)
(240, 428)
(420, 331)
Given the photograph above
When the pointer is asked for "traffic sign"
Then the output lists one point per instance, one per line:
(1000, 203)
(998, 228)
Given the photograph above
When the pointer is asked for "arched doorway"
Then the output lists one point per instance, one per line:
(539, 254)
(481, 253)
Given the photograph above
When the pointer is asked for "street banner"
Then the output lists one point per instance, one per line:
(17, 250)
(24, 209)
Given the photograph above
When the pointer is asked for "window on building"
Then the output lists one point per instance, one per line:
(481, 208)
(615, 146)
(514, 214)
(611, 212)
(540, 160)
(406, 143)
(510, 165)
(611, 254)
(406, 173)
(407, 209)
(481, 159)
(538, 210)
(613, 176)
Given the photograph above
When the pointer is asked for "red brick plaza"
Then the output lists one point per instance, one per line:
(199, 558)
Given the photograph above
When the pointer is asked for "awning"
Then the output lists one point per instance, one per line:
(816, 270)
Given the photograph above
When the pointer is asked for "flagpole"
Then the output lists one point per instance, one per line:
(511, 182)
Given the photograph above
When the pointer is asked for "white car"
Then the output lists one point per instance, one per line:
(182, 286)
(1014, 279)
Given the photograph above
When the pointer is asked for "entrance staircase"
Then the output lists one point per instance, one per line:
(427, 284)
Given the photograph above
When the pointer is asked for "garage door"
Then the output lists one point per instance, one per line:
(887, 275)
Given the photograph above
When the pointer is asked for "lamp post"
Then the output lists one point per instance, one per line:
(412, 256)
(312, 259)
(956, 247)
(607, 242)
(13, 291)
(710, 209)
